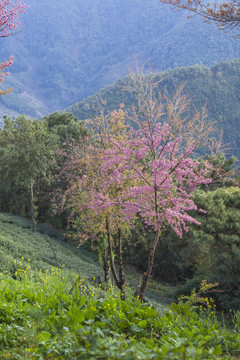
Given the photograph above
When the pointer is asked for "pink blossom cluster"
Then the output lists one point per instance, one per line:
(147, 173)
(154, 176)
(3, 66)
(9, 11)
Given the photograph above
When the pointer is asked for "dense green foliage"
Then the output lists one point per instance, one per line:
(210, 251)
(30, 157)
(28, 154)
(50, 313)
(58, 61)
(219, 254)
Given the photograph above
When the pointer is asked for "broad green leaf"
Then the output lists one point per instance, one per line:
(142, 324)
(136, 329)
(77, 315)
(44, 336)
(123, 324)
(216, 351)
(192, 352)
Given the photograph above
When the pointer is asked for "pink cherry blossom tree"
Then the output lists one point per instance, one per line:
(146, 171)
(9, 25)
(164, 177)
(153, 166)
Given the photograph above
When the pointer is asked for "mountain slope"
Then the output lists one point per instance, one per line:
(17, 242)
(69, 50)
(21, 101)
(218, 87)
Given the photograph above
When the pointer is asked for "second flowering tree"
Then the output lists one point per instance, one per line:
(89, 196)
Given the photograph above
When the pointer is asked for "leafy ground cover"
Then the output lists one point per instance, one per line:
(51, 313)
(41, 317)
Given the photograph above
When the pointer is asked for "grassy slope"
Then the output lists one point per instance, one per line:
(17, 241)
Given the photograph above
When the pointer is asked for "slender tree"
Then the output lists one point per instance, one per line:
(27, 155)
(148, 172)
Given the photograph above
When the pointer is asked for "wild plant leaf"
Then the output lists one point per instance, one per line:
(216, 351)
(44, 336)
(123, 324)
(78, 316)
(142, 324)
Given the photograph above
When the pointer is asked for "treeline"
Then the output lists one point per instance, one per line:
(57, 171)
(217, 87)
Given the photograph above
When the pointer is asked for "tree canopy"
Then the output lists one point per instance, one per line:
(27, 154)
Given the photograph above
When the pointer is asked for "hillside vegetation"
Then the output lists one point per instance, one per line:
(46, 189)
(217, 87)
(50, 313)
(47, 249)
(17, 240)
(119, 220)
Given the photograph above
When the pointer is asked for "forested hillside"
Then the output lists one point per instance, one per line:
(217, 87)
(66, 52)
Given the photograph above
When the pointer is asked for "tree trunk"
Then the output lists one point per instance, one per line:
(120, 281)
(32, 208)
(111, 254)
(121, 269)
(105, 265)
(146, 276)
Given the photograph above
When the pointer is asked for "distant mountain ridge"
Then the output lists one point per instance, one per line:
(69, 50)
(21, 101)
(217, 87)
